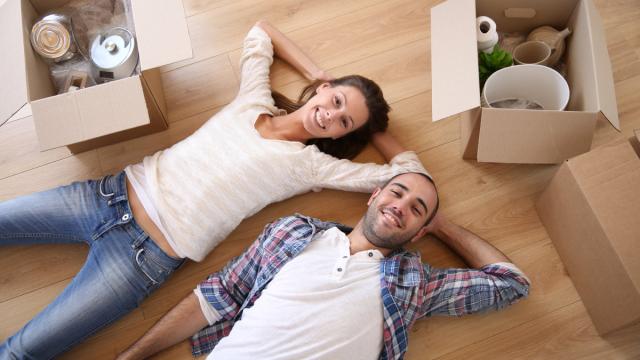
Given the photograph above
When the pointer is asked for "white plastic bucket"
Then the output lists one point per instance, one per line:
(537, 83)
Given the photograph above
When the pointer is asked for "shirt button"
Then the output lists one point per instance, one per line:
(339, 269)
(370, 253)
(125, 217)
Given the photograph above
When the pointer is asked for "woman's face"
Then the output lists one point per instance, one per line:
(334, 111)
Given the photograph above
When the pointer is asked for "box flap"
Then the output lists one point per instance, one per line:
(602, 67)
(13, 89)
(454, 59)
(93, 112)
(162, 33)
(534, 136)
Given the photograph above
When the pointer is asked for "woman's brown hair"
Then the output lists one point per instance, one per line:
(350, 145)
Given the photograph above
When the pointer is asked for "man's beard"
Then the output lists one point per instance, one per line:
(392, 241)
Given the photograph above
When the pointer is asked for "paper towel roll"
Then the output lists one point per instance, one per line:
(486, 33)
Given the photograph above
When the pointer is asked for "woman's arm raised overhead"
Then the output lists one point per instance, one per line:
(288, 51)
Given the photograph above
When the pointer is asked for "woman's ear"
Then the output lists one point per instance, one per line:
(322, 86)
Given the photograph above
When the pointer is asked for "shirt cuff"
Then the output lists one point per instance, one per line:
(409, 162)
(208, 311)
(514, 269)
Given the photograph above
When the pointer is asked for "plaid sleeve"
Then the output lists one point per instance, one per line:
(457, 292)
(227, 289)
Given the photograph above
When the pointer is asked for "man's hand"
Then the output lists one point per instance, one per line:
(476, 251)
(184, 320)
(436, 223)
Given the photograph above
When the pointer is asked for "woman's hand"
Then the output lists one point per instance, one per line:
(386, 144)
(321, 75)
(288, 51)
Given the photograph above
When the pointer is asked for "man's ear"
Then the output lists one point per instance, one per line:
(373, 196)
(421, 233)
(322, 86)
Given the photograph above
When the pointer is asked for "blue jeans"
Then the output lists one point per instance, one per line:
(123, 266)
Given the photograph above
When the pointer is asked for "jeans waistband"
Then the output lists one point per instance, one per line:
(113, 188)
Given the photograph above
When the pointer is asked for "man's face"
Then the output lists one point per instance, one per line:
(397, 213)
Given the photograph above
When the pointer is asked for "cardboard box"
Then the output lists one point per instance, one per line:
(521, 136)
(100, 114)
(591, 210)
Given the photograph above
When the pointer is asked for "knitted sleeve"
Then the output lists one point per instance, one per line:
(256, 59)
(332, 173)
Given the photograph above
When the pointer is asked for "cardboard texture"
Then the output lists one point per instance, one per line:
(101, 114)
(521, 136)
(591, 210)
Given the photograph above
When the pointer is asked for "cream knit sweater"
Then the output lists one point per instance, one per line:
(205, 185)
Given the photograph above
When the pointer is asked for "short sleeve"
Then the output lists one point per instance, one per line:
(341, 174)
(208, 311)
(255, 63)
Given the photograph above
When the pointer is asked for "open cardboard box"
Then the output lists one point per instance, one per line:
(521, 136)
(591, 210)
(100, 114)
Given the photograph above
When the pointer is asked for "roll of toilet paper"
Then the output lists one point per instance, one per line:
(486, 33)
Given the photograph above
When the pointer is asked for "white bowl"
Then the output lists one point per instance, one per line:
(537, 83)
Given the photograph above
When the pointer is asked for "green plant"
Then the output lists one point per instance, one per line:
(490, 63)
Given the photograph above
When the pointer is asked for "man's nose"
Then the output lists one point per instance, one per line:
(399, 208)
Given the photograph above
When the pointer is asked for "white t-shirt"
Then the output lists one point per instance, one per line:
(202, 187)
(322, 304)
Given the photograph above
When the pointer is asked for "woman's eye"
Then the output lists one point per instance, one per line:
(415, 210)
(344, 123)
(337, 100)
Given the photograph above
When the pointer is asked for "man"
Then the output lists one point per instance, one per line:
(313, 289)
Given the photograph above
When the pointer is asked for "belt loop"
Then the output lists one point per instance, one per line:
(101, 188)
(139, 240)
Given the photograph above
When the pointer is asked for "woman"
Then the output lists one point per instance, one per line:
(181, 202)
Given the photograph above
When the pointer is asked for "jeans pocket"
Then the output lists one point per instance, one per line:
(154, 273)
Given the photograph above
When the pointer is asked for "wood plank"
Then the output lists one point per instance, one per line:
(19, 149)
(222, 29)
(566, 333)
(410, 123)
(368, 32)
(199, 87)
(399, 72)
(79, 167)
(35, 267)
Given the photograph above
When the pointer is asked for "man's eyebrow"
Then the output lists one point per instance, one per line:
(426, 209)
(401, 186)
(424, 205)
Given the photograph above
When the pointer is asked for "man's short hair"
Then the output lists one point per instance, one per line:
(429, 179)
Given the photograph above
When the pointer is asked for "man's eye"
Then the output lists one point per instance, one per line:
(415, 210)
(397, 194)
(344, 123)
(338, 101)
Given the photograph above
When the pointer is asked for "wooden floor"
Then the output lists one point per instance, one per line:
(389, 42)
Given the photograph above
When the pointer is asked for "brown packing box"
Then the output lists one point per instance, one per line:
(521, 136)
(591, 210)
(100, 114)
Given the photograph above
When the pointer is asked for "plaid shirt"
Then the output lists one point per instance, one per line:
(409, 289)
